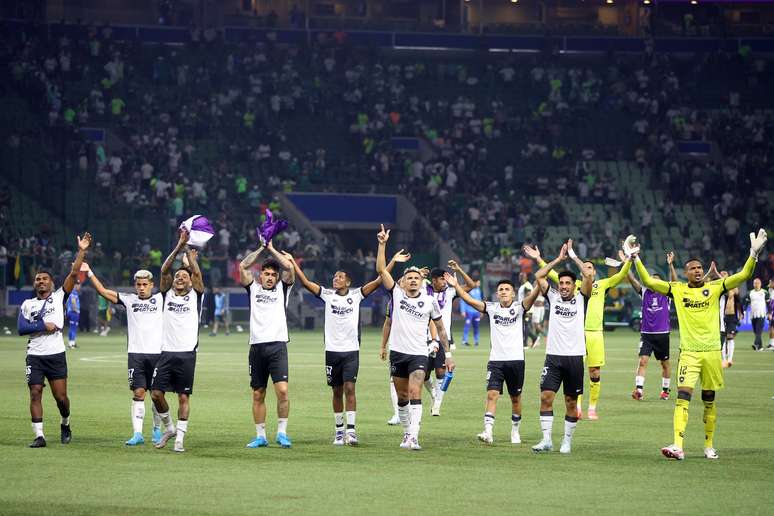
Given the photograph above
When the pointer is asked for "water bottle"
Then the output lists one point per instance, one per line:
(447, 379)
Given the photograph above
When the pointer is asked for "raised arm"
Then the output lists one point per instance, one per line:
(757, 243)
(470, 300)
(83, 245)
(309, 285)
(196, 273)
(470, 283)
(288, 271)
(381, 261)
(534, 253)
(529, 300)
(573, 256)
(670, 257)
(245, 274)
(110, 295)
(547, 268)
(166, 267)
(619, 276)
(656, 285)
(400, 257)
(444, 338)
(587, 282)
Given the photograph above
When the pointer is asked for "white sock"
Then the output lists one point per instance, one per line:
(65, 421)
(639, 382)
(38, 429)
(569, 429)
(489, 420)
(730, 345)
(723, 354)
(394, 398)
(138, 414)
(71, 343)
(351, 420)
(515, 421)
(415, 411)
(771, 342)
(429, 387)
(404, 416)
(546, 425)
(182, 428)
(156, 417)
(166, 420)
(438, 392)
(260, 430)
(665, 383)
(282, 425)
(338, 419)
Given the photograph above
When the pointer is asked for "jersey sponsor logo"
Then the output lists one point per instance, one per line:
(697, 305)
(565, 312)
(341, 310)
(144, 308)
(410, 309)
(178, 308)
(265, 298)
(505, 321)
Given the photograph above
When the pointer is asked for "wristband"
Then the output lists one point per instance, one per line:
(572, 254)
(89, 274)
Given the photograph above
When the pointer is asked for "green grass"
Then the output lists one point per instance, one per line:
(615, 467)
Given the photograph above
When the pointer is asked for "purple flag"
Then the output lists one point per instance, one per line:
(270, 228)
(199, 229)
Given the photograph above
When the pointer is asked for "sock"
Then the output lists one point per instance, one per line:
(394, 398)
(570, 422)
(71, 343)
(724, 352)
(489, 420)
(282, 425)
(579, 403)
(339, 420)
(547, 424)
(415, 411)
(403, 415)
(166, 420)
(680, 421)
(351, 420)
(595, 386)
(665, 382)
(730, 344)
(639, 382)
(138, 414)
(260, 430)
(65, 421)
(710, 416)
(156, 417)
(771, 343)
(515, 421)
(37, 428)
(438, 392)
(182, 428)
(429, 387)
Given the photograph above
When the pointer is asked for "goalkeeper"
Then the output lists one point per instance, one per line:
(698, 313)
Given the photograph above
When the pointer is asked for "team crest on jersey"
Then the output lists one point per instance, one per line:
(595, 285)
(572, 301)
(153, 300)
(705, 292)
(349, 300)
(186, 298)
(50, 299)
(421, 304)
(512, 311)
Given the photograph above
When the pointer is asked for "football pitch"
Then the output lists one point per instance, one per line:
(615, 466)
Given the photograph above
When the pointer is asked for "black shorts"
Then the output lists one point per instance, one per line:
(510, 372)
(46, 367)
(656, 343)
(436, 360)
(564, 370)
(265, 360)
(402, 365)
(341, 366)
(140, 367)
(174, 372)
(731, 323)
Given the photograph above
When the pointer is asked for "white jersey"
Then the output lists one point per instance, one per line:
(144, 322)
(505, 331)
(51, 310)
(410, 317)
(565, 325)
(523, 291)
(445, 299)
(757, 303)
(181, 321)
(268, 319)
(342, 319)
(538, 313)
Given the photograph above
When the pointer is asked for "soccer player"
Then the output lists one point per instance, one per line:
(269, 338)
(444, 295)
(176, 366)
(565, 347)
(537, 326)
(221, 312)
(342, 340)
(595, 312)
(412, 310)
(472, 318)
(42, 319)
(731, 308)
(506, 358)
(73, 315)
(654, 333)
(698, 314)
(757, 299)
(144, 328)
(525, 287)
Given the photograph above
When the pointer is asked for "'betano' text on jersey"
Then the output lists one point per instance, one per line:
(342, 319)
(181, 321)
(144, 322)
(566, 335)
(410, 317)
(51, 310)
(268, 319)
(506, 331)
